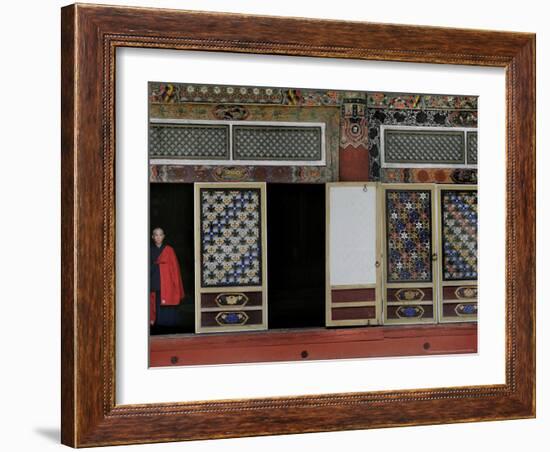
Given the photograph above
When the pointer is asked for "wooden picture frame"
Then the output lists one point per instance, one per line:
(90, 36)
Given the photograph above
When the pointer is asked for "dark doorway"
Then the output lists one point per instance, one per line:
(171, 208)
(296, 255)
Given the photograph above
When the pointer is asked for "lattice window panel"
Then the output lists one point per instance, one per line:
(277, 143)
(189, 141)
(429, 147)
(472, 147)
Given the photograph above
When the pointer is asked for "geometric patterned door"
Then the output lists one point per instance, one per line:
(458, 250)
(410, 274)
(230, 257)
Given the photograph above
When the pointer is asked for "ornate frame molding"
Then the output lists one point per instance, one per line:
(90, 36)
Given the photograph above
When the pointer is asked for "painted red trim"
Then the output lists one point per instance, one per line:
(354, 164)
(312, 344)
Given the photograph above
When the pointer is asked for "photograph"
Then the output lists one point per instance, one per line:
(294, 214)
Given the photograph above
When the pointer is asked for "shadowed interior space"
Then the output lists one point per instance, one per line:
(296, 255)
(171, 208)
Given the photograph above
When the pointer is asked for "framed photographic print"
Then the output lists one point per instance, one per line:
(261, 206)
(296, 211)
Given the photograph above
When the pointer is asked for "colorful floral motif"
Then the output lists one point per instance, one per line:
(409, 238)
(466, 309)
(429, 175)
(354, 133)
(410, 294)
(244, 173)
(427, 101)
(466, 292)
(311, 98)
(230, 237)
(433, 118)
(408, 312)
(164, 93)
(230, 112)
(232, 318)
(453, 102)
(398, 101)
(459, 219)
(185, 92)
(358, 124)
(354, 127)
(230, 94)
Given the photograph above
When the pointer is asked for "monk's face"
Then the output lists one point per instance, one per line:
(158, 236)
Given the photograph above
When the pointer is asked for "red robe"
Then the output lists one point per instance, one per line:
(171, 286)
